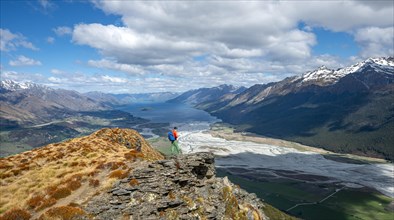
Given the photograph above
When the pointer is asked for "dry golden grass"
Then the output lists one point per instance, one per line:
(94, 182)
(134, 182)
(119, 174)
(64, 213)
(37, 179)
(16, 214)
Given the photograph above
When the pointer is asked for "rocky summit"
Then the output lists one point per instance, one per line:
(183, 187)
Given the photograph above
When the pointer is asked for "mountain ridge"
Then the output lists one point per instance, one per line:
(43, 104)
(222, 92)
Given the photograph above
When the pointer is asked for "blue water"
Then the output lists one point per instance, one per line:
(173, 113)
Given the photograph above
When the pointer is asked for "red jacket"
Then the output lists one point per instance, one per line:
(175, 134)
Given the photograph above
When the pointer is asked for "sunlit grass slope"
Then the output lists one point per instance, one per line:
(70, 172)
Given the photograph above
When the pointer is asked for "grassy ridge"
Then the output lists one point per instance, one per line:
(71, 171)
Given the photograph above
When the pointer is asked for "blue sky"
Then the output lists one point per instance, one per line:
(149, 46)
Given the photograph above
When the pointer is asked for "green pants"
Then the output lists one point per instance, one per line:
(175, 148)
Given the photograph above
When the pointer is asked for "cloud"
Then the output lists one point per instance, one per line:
(86, 82)
(112, 79)
(63, 30)
(57, 72)
(112, 65)
(45, 6)
(50, 40)
(376, 41)
(345, 16)
(24, 61)
(10, 41)
(206, 43)
(22, 77)
(131, 47)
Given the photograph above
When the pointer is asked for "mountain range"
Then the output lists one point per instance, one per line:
(30, 103)
(348, 110)
(124, 99)
(24, 103)
(222, 92)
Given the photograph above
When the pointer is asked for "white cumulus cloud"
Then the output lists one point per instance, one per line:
(24, 61)
(376, 41)
(211, 42)
(11, 41)
(63, 30)
(50, 40)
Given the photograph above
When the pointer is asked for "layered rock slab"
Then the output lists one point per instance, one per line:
(182, 187)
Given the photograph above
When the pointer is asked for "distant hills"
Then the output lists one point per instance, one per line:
(33, 115)
(196, 96)
(26, 103)
(29, 103)
(348, 110)
(124, 99)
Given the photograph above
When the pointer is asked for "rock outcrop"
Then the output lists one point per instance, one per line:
(183, 187)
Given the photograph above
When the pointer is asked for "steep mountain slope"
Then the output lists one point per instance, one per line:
(115, 174)
(29, 103)
(223, 92)
(347, 110)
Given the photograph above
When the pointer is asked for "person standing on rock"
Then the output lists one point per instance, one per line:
(173, 137)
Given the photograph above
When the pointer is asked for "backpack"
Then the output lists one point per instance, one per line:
(171, 136)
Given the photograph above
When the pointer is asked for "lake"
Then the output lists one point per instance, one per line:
(168, 112)
(183, 116)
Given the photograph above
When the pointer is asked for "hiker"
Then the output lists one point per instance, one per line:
(173, 137)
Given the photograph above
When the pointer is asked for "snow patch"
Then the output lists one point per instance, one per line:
(328, 76)
(11, 85)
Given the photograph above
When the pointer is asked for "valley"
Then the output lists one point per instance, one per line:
(22, 138)
(326, 185)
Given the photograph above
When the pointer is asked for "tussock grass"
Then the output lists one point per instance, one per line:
(134, 182)
(16, 213)
(118, 174)
(40, 178)
(63, 212)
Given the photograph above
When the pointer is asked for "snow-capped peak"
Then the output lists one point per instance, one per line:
(11, 85)
(389, 61)
(322, 73)
(328, 76)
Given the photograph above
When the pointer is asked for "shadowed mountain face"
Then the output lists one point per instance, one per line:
(223, 93)
(349, 110)
(116, 174)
